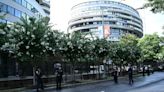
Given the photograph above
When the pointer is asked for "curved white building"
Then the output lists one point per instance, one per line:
(119, 18)
(15, 9)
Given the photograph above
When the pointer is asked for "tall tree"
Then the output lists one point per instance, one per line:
(126, 50)
(149, 45)
(72, 48)
(131, 51)
(4, 54)
(27, 40)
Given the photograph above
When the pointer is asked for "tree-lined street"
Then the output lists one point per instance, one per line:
(32, 43)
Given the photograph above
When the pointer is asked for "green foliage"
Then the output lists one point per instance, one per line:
(26, 38)
(126, 50)
(149, 45)
(157, 6)
(101, 48)
(33, 40)
(160, 55)
(72, 46)
(3, 32)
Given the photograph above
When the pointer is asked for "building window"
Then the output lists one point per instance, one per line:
(29, 6)
(18, 13)
(18, 1)
(34, 10)
(24, 15)
(24, 3)
(95, 23)
(3, 7)
(10, 10)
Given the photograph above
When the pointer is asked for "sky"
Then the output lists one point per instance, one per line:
(61, 13)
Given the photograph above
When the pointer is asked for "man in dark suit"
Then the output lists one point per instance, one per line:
(39, 82)
(130, 74)
(59, 78)
(115, 75)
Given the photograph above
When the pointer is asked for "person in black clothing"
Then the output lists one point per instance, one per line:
(148, 71)
(115, 75)
(130, 73)
(143, 71)
(39, 82)
(59, 78)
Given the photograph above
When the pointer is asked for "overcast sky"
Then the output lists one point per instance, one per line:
(60, 15)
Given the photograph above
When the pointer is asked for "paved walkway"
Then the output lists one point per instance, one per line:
(138, 83)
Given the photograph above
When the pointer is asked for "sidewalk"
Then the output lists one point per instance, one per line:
(140, 81)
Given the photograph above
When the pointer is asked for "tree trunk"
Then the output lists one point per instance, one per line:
(99, 75)
(34, 76)
(121, 70)
(17, 69)
(73, 72)
(104, 72)
(93, 71)
(81, 73)
(88, 69)
(65, 77)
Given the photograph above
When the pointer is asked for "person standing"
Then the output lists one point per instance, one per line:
(59, 78)
(143, 71)
(130, 74)
(39, 82)
(148, 71)
(115, 76)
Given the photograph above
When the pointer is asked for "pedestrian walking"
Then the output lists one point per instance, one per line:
(130, 74)
(59, 78)
(39, 82)
(115, 75)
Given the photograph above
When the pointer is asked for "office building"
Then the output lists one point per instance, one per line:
(105, 18)
(15, 9)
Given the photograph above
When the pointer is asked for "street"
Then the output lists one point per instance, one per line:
(152, 83)
(155, 87)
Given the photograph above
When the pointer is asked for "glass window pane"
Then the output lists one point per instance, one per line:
(10, 10)
(3, 7)
(17, 13)
(29, 6)
(24, 15)
(24, 3)
(19, 1)
(34, 10)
